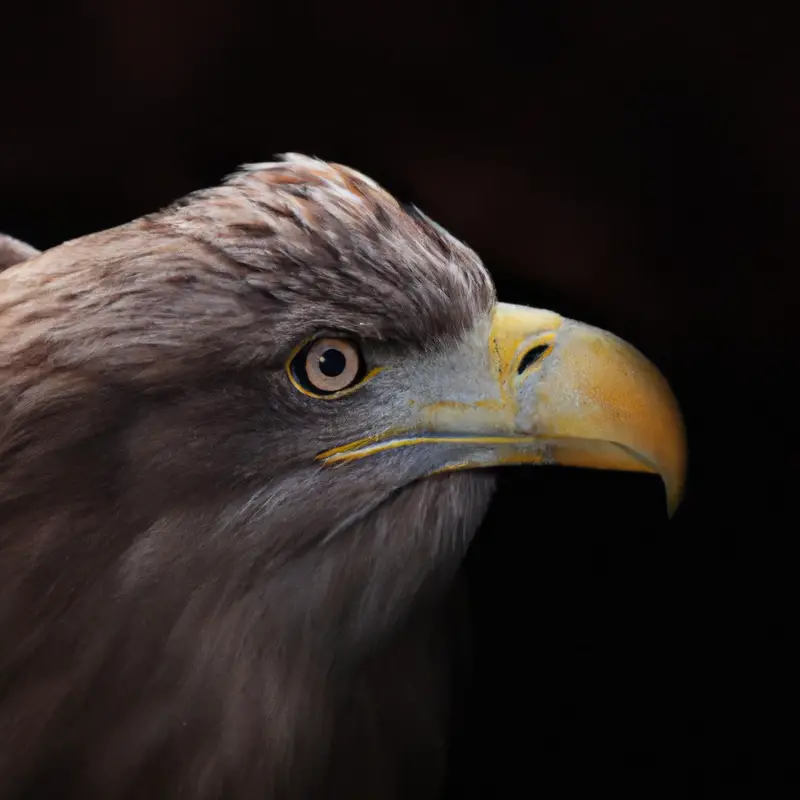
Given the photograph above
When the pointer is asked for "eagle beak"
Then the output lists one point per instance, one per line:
(596, 400)
(548, 390)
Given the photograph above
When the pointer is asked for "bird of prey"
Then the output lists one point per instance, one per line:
(244, 444)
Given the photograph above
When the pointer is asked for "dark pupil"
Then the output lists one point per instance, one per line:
(332, 363)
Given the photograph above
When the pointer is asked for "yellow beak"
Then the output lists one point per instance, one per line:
(545, 390)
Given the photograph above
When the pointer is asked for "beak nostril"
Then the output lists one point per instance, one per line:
(531, 357)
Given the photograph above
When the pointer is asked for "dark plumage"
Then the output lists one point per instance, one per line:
(192, 603)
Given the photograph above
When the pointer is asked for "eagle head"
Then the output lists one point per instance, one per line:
(244, 444)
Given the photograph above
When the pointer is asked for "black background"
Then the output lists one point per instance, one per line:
(634, 165)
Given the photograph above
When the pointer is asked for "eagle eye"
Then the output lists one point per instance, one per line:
(326, 366)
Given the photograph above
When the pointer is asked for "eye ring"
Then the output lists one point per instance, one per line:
(327, 366)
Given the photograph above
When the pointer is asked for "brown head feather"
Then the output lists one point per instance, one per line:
(176, 613)
(13, 251)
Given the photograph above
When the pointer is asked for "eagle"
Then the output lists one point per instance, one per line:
(245, 442)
